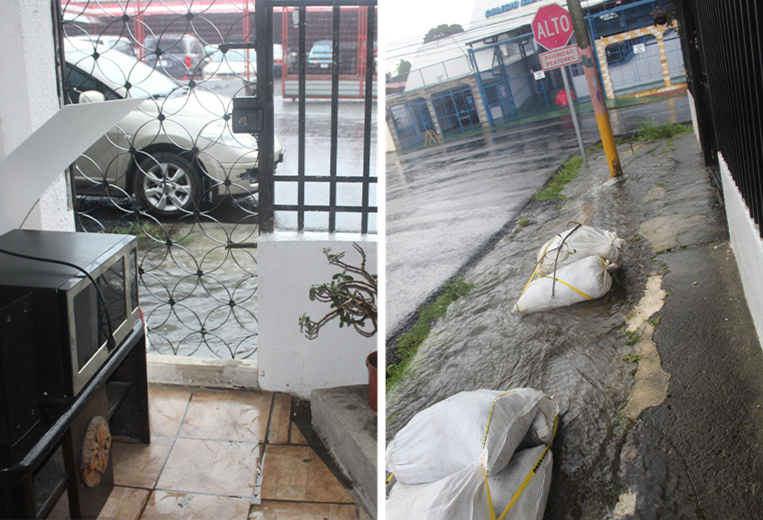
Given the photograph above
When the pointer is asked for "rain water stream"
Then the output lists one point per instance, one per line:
(574, 354)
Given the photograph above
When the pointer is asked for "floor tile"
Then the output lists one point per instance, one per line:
(214, 467)
(123, 504)
(166, 408)
(139, 465)
(296, 473)
(270, 510)
(279, 424)
(227, 415)
(187, 506)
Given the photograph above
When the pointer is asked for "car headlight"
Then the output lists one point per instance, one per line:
(219, 132)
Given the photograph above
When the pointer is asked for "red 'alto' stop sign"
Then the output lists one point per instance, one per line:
(552, 26)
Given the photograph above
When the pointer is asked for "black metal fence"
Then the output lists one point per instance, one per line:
(724, 49)
(175, 173)
(349, 189)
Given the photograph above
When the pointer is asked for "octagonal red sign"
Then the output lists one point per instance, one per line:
(552, 26)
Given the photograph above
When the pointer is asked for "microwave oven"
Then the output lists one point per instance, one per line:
(78, 320)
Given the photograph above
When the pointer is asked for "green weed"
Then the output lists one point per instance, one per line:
(651, 131)
(621, 422)
(632, 358)
(569, 171)
(632, 337)
(409, 342)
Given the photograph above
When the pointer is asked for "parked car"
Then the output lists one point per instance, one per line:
(180, 56)
(319, 59)
(277, 59)
(104, 43)
(173, 151)
(236, 63)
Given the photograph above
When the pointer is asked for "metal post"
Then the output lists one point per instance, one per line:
(594, 87)
(574, 114)
(263, 22)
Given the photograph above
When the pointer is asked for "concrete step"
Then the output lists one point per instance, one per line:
(347, 426)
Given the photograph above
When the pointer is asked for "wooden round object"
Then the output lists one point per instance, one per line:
(95, 451)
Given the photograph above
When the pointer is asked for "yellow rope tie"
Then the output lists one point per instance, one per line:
(527, 479)
(537, 264)
(490, 417)
(581, 293)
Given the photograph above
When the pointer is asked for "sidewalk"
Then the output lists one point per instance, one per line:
(659, 383)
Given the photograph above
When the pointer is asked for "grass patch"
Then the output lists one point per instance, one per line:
(409, 342)
(638, 237)
(660, 184)
(520, 226)
(655, 320)
(632, 337)
(632, 358)
(651, 131)
(569, 171)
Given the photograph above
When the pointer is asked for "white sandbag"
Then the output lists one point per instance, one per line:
(585, 279)
(542, 429)
(448, 436)
(531, 503)
(463, 496)
(452, 497)
(576, 243)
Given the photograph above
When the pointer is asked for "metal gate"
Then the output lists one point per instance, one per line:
(175, 172)
(633, 71)
(456, 110)
(412, 122)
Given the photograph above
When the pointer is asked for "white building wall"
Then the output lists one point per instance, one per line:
(28, 96)
(747, 245)
(288, 265)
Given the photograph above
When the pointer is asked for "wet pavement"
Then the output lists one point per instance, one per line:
(668, 426)
(446, 205)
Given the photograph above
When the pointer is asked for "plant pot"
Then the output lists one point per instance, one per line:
(372, 379)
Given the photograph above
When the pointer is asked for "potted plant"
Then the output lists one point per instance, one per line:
(351, 295)
(663, 14)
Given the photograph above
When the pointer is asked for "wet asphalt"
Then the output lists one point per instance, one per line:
(446, 205)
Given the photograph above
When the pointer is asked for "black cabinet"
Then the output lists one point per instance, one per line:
(46, 462)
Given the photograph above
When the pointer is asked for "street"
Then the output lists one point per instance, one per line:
(446, 203)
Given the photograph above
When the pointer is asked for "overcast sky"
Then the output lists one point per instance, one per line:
(409, 20)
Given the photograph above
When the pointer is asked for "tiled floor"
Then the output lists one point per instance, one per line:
(222, 454)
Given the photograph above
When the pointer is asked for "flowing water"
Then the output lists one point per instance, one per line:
(573, 354)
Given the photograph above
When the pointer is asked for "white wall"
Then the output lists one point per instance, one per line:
(288, 265)
(28, 95)
(747, 245)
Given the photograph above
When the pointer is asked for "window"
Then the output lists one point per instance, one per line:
(78, 82)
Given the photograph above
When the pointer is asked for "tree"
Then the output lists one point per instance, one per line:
(441, 31)
(404, 67)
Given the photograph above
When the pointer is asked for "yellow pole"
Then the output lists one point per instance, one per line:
(594, 87)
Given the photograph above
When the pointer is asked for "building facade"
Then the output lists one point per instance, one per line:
(491, 75)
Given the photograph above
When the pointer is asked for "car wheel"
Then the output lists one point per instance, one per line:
(168, 184)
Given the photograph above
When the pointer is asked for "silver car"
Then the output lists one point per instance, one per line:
(172, 152)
